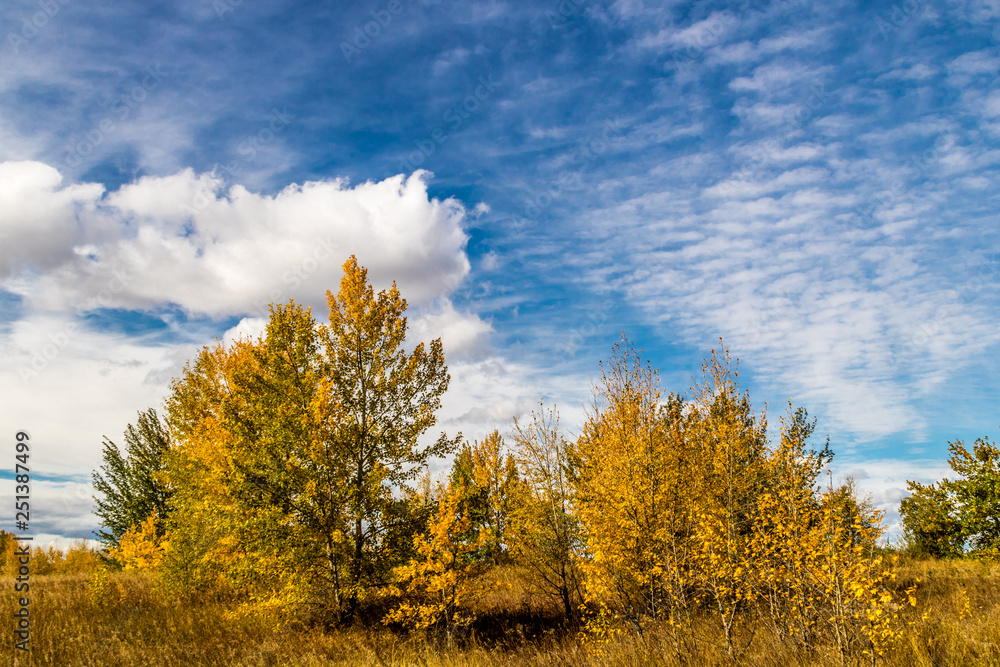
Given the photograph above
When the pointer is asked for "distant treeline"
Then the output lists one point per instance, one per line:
(78, 559)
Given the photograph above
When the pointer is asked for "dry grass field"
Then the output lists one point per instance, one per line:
(135, 627)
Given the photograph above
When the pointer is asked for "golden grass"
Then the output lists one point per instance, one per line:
(137, 627)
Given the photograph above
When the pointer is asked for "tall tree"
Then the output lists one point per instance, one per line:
(495, 472)
(733, 448)
(293, 446)
(488, 475)
(377, 400)
(129, 483)
(256, 472)
(546, 531)
(636, 488)
(977, 493)
(930, 520)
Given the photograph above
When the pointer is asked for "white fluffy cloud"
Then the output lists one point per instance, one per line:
(38, 219)
(180, 239)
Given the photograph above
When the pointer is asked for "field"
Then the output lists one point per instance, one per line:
(955, 623)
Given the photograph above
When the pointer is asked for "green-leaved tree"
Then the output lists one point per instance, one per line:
(129, 484)
(955, 517)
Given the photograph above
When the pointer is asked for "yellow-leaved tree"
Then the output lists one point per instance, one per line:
(732, 444)
(488, 473)
(140, 547)
(374, 403)
(853, 581)
(686, 505)
(443, 574)
(785, 535)
(288, 449)
(636, 489)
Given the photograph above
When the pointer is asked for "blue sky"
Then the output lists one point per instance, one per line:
(815, 183)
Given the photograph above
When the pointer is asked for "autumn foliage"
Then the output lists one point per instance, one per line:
(688, 509)
(436, 585)
(300, 494)
(287, 451)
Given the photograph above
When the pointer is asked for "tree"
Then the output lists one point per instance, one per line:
(546, 532)
(930, 520)
(732, 449)
(977, 493)
(495, 472)
(443, 572)
(376, 401)
(131, 484)
(8, 556)
(958, 516)
(291, 447)
(207, 540)
(490, 478)
(140, 548)
(634, 488)
(686, 506)
(787, 537)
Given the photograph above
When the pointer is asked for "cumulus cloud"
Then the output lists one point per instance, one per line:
(66, 382)
(461, 336)
(181, 240)
(38, 219)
